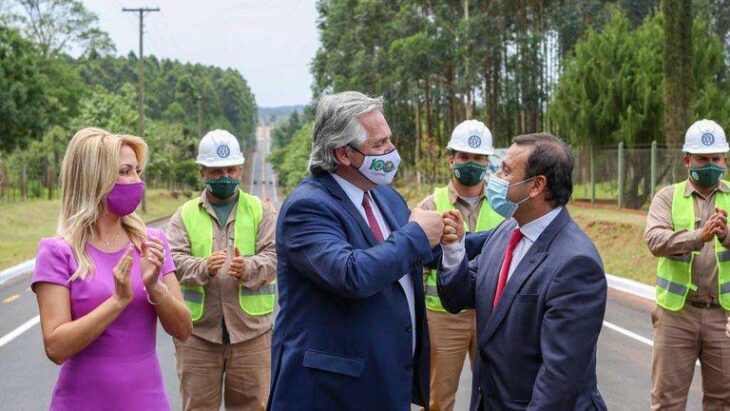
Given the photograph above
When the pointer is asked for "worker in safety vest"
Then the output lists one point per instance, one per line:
(687, 229)
(223, 246)
(452, 336)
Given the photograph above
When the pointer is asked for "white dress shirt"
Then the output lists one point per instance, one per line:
(355, 194)
(454, 253)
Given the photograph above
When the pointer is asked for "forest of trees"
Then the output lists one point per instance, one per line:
(594, 72)
(46, 95)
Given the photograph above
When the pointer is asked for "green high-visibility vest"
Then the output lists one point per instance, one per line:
(674, 273)
(487, 220)
(199, 226)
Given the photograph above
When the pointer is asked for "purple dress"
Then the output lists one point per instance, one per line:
(119, 370)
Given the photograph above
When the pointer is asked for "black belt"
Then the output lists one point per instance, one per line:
(704, 305)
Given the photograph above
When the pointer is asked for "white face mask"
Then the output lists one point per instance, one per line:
(379, 169)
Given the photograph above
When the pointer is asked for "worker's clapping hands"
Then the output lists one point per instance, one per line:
(716, 225)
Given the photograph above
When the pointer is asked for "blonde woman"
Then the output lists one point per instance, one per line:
(103, 281)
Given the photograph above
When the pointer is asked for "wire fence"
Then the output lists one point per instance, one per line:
(609, 175)
(625, 177)
(35, 182)
(615, 175)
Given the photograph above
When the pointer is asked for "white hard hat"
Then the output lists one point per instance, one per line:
(705, 137)
(219, 148)
(472, 136)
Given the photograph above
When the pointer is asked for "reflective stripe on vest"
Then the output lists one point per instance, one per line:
(674, 273)
(486, 220)
(199, 226)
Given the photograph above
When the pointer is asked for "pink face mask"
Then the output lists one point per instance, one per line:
(124, 198)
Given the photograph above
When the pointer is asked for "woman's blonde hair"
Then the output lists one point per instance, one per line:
(88, 173)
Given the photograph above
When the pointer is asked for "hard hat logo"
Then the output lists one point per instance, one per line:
(471, 136)
(705, 137)
(219, 148)
(708, 139)
(223, 151)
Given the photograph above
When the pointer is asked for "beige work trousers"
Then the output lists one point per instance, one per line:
(238, 372)
(452, 336)
(680, 339)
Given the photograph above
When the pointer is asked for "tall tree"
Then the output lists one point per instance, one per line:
(61, 25)
(23, 101)
(677, 67)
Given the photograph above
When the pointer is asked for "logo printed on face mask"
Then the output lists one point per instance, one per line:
(223, 151)
(382, 165)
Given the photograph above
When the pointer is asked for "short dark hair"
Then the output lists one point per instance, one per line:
(552, 158)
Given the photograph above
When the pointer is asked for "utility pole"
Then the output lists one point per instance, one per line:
(142, 11)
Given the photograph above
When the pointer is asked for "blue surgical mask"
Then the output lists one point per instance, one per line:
(497, 196)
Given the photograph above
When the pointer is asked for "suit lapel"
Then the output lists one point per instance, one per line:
(491, 276)
(334, 188)
(527, 266)
(393, 223)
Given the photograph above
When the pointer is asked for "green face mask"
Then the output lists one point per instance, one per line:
(470, 173)
(707, 176)
(223, 187)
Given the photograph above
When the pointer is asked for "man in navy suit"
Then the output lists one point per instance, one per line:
(352, 332)
(538, 287)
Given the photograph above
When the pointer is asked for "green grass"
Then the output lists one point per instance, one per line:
(619, 237)
(23, 224)
(604, 191)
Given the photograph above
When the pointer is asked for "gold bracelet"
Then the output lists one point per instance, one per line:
(164, 297)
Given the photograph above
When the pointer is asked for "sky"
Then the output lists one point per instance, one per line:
(271, 42)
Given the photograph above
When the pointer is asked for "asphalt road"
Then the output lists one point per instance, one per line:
(263, 179)
(27, 377)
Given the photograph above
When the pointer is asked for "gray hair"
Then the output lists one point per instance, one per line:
(337, 124)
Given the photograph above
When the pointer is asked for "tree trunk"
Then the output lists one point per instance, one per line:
(417, 150)
(429, 120)
(677, 68)
(23, 180)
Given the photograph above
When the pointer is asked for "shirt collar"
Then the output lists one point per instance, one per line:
(354, 193)
(533, 229)
(454, 195)
(690, 188)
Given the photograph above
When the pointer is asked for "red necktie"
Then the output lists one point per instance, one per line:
(504, 272)
(372, 222)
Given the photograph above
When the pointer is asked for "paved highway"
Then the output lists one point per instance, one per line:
(28, 377)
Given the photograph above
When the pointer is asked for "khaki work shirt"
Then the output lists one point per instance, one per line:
(664, 241)
(470, 213)
(221, 291)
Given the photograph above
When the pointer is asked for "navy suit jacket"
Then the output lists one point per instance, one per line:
(343, 337)
(537, 349)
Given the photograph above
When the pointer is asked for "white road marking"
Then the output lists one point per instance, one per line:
(628, 333)
(20, 330)
(634, 336)
(11, 298)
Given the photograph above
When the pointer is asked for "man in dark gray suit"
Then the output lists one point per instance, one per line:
(538, 287)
